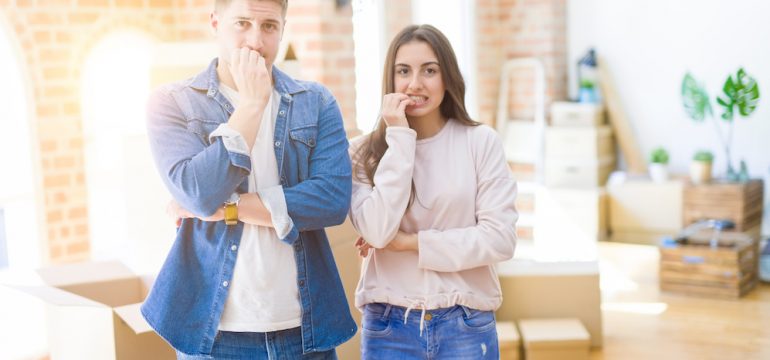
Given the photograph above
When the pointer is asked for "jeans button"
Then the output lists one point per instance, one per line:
(428, 316)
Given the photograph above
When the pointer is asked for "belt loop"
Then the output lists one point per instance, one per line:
(387, 311)
(466, 311)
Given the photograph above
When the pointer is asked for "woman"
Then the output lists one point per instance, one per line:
(433, 200)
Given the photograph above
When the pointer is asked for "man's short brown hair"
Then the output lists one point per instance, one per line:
(220, 4)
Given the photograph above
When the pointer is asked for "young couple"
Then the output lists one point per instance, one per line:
(258, 165)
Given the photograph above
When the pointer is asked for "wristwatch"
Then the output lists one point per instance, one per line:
(231, 209)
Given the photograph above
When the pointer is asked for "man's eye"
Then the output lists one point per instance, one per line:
(270, 27)
(241, 24)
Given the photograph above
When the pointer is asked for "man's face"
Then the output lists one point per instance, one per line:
(257, 25)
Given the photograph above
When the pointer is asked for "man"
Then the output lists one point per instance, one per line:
(257, 165)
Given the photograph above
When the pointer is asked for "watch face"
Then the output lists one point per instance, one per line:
(234, 197)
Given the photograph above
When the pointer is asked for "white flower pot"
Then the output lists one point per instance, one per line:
(700, 172)
(658, 172)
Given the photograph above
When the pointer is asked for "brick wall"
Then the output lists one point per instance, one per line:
(322, 36)
(509, 29)
(56, 37)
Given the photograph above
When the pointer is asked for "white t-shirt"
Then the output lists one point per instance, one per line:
(263, 293)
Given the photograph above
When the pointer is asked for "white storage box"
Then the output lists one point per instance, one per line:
(576, 114)
(579, 142)
(568, 172)
(569, 223)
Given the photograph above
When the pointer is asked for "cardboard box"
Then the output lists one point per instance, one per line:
(579, 142)
(554, 339)
(508, 340)
(552, 290)
(571, 172)
(576, 114)
(94, 313)
(642, 211)
(581, 215)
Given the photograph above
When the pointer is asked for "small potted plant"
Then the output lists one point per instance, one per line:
(700, 167)
(658, 165)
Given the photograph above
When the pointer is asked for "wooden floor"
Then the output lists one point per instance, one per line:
(640, 322)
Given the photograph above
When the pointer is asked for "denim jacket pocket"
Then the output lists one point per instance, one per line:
(202, 128)
(305, 135)
(303, 141)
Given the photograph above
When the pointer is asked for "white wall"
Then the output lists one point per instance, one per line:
(650, 45)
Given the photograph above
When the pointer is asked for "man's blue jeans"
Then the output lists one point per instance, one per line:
(276, 345)
(450, 333)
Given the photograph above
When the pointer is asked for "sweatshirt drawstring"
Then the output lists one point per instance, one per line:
(414, 305)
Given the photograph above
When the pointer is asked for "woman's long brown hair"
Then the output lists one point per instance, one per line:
(452, 107)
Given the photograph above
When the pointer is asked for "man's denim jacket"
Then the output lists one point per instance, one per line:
(186, 301)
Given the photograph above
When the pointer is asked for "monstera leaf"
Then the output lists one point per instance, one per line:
(741, 92)
(695, 99)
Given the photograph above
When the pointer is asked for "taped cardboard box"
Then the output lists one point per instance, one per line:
(552, 290)
(554, 339)
(508, 340)
(94, 312)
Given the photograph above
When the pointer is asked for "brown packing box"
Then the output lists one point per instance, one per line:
(94, 313)
(643, 211)
(552, 290)
(508, 340)
(554, 339)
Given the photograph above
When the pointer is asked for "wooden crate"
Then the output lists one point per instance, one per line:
(739, 202)
(694, 268)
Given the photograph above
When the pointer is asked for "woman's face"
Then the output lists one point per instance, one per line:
(418, 74)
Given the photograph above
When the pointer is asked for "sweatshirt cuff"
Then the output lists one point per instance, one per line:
(275, 202)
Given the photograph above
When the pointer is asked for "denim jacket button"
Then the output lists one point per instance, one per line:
(277, 143)
(282, 113)
(302, 283)
(225, 284)
(234, 247)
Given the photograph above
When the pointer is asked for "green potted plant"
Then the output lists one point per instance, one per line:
(740, 98)
(659, 164)
(700, 167)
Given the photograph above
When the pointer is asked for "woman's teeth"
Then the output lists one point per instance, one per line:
(418, 100)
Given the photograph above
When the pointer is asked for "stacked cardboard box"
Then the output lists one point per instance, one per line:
(508, 340)
(534, 289)
(571, 211)
(554, 339)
